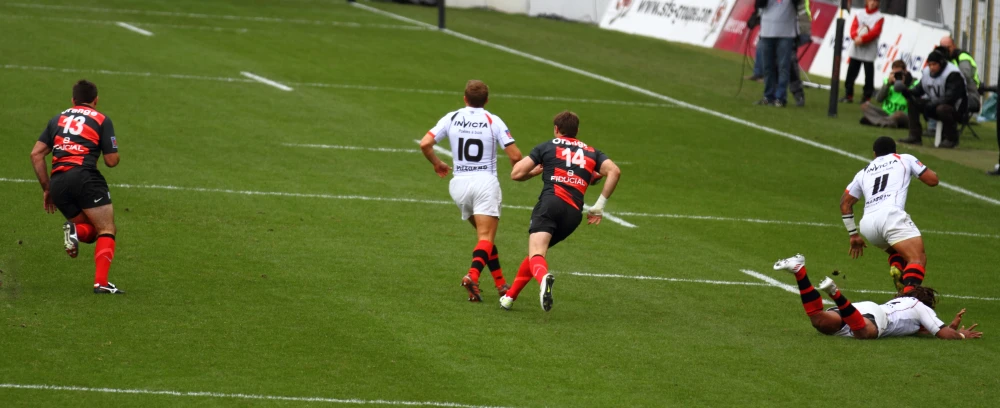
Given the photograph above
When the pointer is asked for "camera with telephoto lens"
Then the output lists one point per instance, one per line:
(898, 76)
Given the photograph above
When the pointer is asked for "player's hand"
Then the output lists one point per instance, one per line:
(442, 169)
(857, 246)
(970, 333)
(958, 320)
(858, 40)
(536, 171)
(594, 215)
(47, 203)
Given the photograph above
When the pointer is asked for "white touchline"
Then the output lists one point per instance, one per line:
(203, 394)
(105, 22)
(216, 16)
(370, 149)
(768, 281)
(438, 149)
(133, 28)
(335, 86)
(263, 80)
(777, 284)
(649, 93)
(283, 194)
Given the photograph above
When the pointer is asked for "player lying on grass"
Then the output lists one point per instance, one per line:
(475, 134)
(905, 315)
(568, 166)
(884, 184)
(76, 138)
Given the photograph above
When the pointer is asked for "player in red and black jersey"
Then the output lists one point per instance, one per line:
(76, 138)
(568, 166)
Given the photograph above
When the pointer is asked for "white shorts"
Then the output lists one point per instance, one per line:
(885, 228)
(874, 313)
(476, 195)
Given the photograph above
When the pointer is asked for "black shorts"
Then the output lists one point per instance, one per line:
(554, 216)
(76, 190)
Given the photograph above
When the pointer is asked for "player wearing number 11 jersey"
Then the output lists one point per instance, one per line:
(568, 166)
(475, 135)
(883, 184)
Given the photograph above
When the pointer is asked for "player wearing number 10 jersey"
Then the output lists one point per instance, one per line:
(568, 167)
(475, 134)
(883, 184)
(76, 138)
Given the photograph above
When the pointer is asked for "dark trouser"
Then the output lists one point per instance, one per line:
(777, 55)
(945, 114)
(876, 116)
(795, 85)
(852, 74)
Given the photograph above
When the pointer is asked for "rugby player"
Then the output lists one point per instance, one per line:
(568, 166)
(76, 138)
(905, 315)
(884, 184)
(475, 133)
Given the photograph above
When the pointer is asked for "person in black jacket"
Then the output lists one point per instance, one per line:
(941, 95)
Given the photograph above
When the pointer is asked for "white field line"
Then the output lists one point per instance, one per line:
(334, 86)
(652, 94)
(780, 285)
(137, 74)
(345, 401)
(257, 19)
(106, 22)
(338, 147)
(768, 281)
(134, 29)
(783, 222)
(439, 149)
(266, 81)
(282, 194)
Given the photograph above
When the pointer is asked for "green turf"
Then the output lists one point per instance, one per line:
(318, 296)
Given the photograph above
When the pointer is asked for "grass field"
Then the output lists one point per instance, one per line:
(256, 265)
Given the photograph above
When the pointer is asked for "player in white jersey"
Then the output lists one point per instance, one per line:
(883, 184)
(475, 135)
(905, 315)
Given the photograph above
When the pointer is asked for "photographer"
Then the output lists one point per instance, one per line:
(944, 88)
(965, 63)
(893, 111)
(780, 30)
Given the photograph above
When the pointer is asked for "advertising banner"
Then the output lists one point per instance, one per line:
(696, 22)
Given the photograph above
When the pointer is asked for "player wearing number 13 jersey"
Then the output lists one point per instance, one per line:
(568, 166)
(76, 138)
(883, 184)
(475, 134)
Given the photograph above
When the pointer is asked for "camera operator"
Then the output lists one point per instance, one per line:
(893, 110)
(941, 95)
(965, 63)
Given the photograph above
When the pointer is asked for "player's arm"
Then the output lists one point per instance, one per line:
(612, 174)
(38, 154)
(525, 169)
(513, 153)
(858, 245)
(111, 159)
(929, 177)
(427, 147)
(947, 333)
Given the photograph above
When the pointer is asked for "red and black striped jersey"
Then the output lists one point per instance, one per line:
(570, 166)
(77, 137)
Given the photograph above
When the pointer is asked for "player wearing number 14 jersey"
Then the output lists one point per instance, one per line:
(475, 135)
(76, 138)
(568, 166)
(883, 184)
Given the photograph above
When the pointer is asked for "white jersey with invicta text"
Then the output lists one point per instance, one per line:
(899, 317)
(885, 182)
(474, 134)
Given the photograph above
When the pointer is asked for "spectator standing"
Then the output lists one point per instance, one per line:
(866, 28)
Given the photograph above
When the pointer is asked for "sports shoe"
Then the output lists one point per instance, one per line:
(506, 302)
(828, 286)
(545, 294)
(763, 102)
(800, 100)
(502, 291)
(778, 103)
(792, 264)
(473, 289)
(948, 144)
(897, 278)
(995, 171)
(70, 241)
(846, 99)
(914, 140)
(110, 289)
